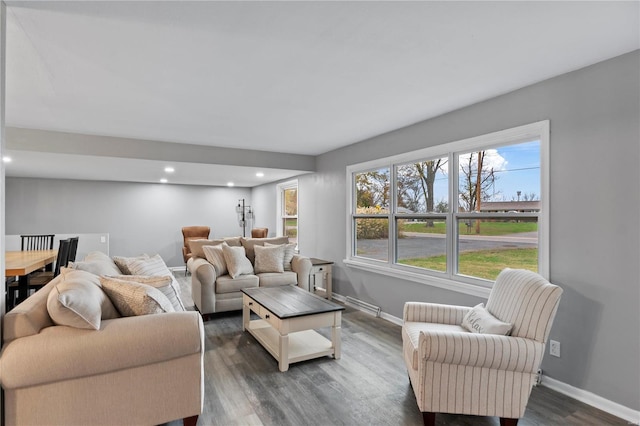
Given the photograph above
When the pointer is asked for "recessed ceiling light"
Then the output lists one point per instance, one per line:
(260, 174)
(169, 169)
(163, 180)
(229, 183)
(6, 159)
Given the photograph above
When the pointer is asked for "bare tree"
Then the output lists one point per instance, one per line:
(477, 181)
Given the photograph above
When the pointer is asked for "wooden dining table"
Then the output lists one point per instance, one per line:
(21, 263)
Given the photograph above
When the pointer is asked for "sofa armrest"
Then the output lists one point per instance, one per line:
(481, 350)
(301, 265)
(60, 353)
(434, 312)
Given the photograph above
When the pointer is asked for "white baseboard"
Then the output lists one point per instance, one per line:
(592, 399)
(178, 269)
(632, 416)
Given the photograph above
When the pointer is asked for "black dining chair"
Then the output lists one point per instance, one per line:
(37, 242)
(73, 249)
(39, 280)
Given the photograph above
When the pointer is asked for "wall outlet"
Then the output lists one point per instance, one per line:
(103, 239)
(554, 348)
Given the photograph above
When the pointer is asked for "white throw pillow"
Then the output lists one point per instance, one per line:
(269, 259)
(215, 256)
(78, 301)
(479, 320)
(289, 252)
(237, 262)
(162, 283)
(132, 298)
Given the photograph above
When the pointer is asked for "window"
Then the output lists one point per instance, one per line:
(454, 214)
(288, 210)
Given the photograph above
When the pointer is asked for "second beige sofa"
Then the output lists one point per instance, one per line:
(212, 293)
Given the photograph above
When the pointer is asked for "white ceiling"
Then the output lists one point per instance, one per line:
(291, 77)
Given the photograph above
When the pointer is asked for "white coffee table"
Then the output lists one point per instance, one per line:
(289, 316)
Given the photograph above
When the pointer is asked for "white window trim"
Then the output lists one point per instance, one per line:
(281, 187)
(538, 130)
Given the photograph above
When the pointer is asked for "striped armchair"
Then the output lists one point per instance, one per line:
(455, 371)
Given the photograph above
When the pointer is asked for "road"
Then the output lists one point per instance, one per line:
(417, 244)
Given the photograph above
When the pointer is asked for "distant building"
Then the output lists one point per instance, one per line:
(510, 206)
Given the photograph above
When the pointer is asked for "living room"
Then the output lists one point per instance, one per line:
(593, 246)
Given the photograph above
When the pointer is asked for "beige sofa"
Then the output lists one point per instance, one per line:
(212, 293)
(133, 370)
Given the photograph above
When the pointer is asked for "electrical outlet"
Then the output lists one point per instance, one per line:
(554, 348)
(103, 239)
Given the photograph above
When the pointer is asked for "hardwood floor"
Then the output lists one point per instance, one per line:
(367, 386)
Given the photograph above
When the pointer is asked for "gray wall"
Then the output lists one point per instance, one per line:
(595, 211)
(139, 217)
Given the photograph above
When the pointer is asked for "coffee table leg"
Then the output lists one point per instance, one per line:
(335, 340)
(283, 351)
(246, 314)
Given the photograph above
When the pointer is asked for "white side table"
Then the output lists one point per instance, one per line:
(320, 277)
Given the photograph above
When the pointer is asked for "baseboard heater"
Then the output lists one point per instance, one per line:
(363, 306)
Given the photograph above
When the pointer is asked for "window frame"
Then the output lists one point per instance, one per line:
(450, 279)
(280, 214)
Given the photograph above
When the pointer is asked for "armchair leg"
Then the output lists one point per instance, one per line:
(190, 421)
(508, 422)
(429, 419)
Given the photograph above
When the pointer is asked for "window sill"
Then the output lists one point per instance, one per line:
(447, 284)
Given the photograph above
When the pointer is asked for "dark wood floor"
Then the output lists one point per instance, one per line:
(367, 386)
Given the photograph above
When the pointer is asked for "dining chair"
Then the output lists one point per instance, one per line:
(73, 249)
(41, 279)
(37, 242)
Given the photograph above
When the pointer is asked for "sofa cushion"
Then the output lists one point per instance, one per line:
(226, 284)
(153, 265)
(479, 320)
(275, 279)
(289, 252)
(78, 301)
(132, 298)
(237, 262)
(162, 283)
(269, 259)
(196, 245)
(123, 262)
(250, 243)
(215, 256)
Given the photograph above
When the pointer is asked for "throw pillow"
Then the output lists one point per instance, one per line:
(215, 256)
(77, 301)
(479, 320)
(289, 252)
(123, 262)
(132, 298)
(237, 262)
(250, 243)
(162, 283)
(153, 265)
(96, 267)
(269, 259)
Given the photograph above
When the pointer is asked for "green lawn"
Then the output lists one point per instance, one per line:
(486, 228)
(483, 264)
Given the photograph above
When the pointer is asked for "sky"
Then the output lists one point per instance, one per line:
(516, 167)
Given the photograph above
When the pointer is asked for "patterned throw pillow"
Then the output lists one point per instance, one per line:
(215, 256)
(289, 252)
(123, 262)
(269, 259)
(132, 298)
(77, 301)
(153, 265)
(162, 283)
(479, 320)
(237, 262)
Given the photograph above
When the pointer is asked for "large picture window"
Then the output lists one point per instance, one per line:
(457, 213)
(288, 210)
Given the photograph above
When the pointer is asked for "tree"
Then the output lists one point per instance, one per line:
(477, 180)
(372, 188)
(415, 184)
